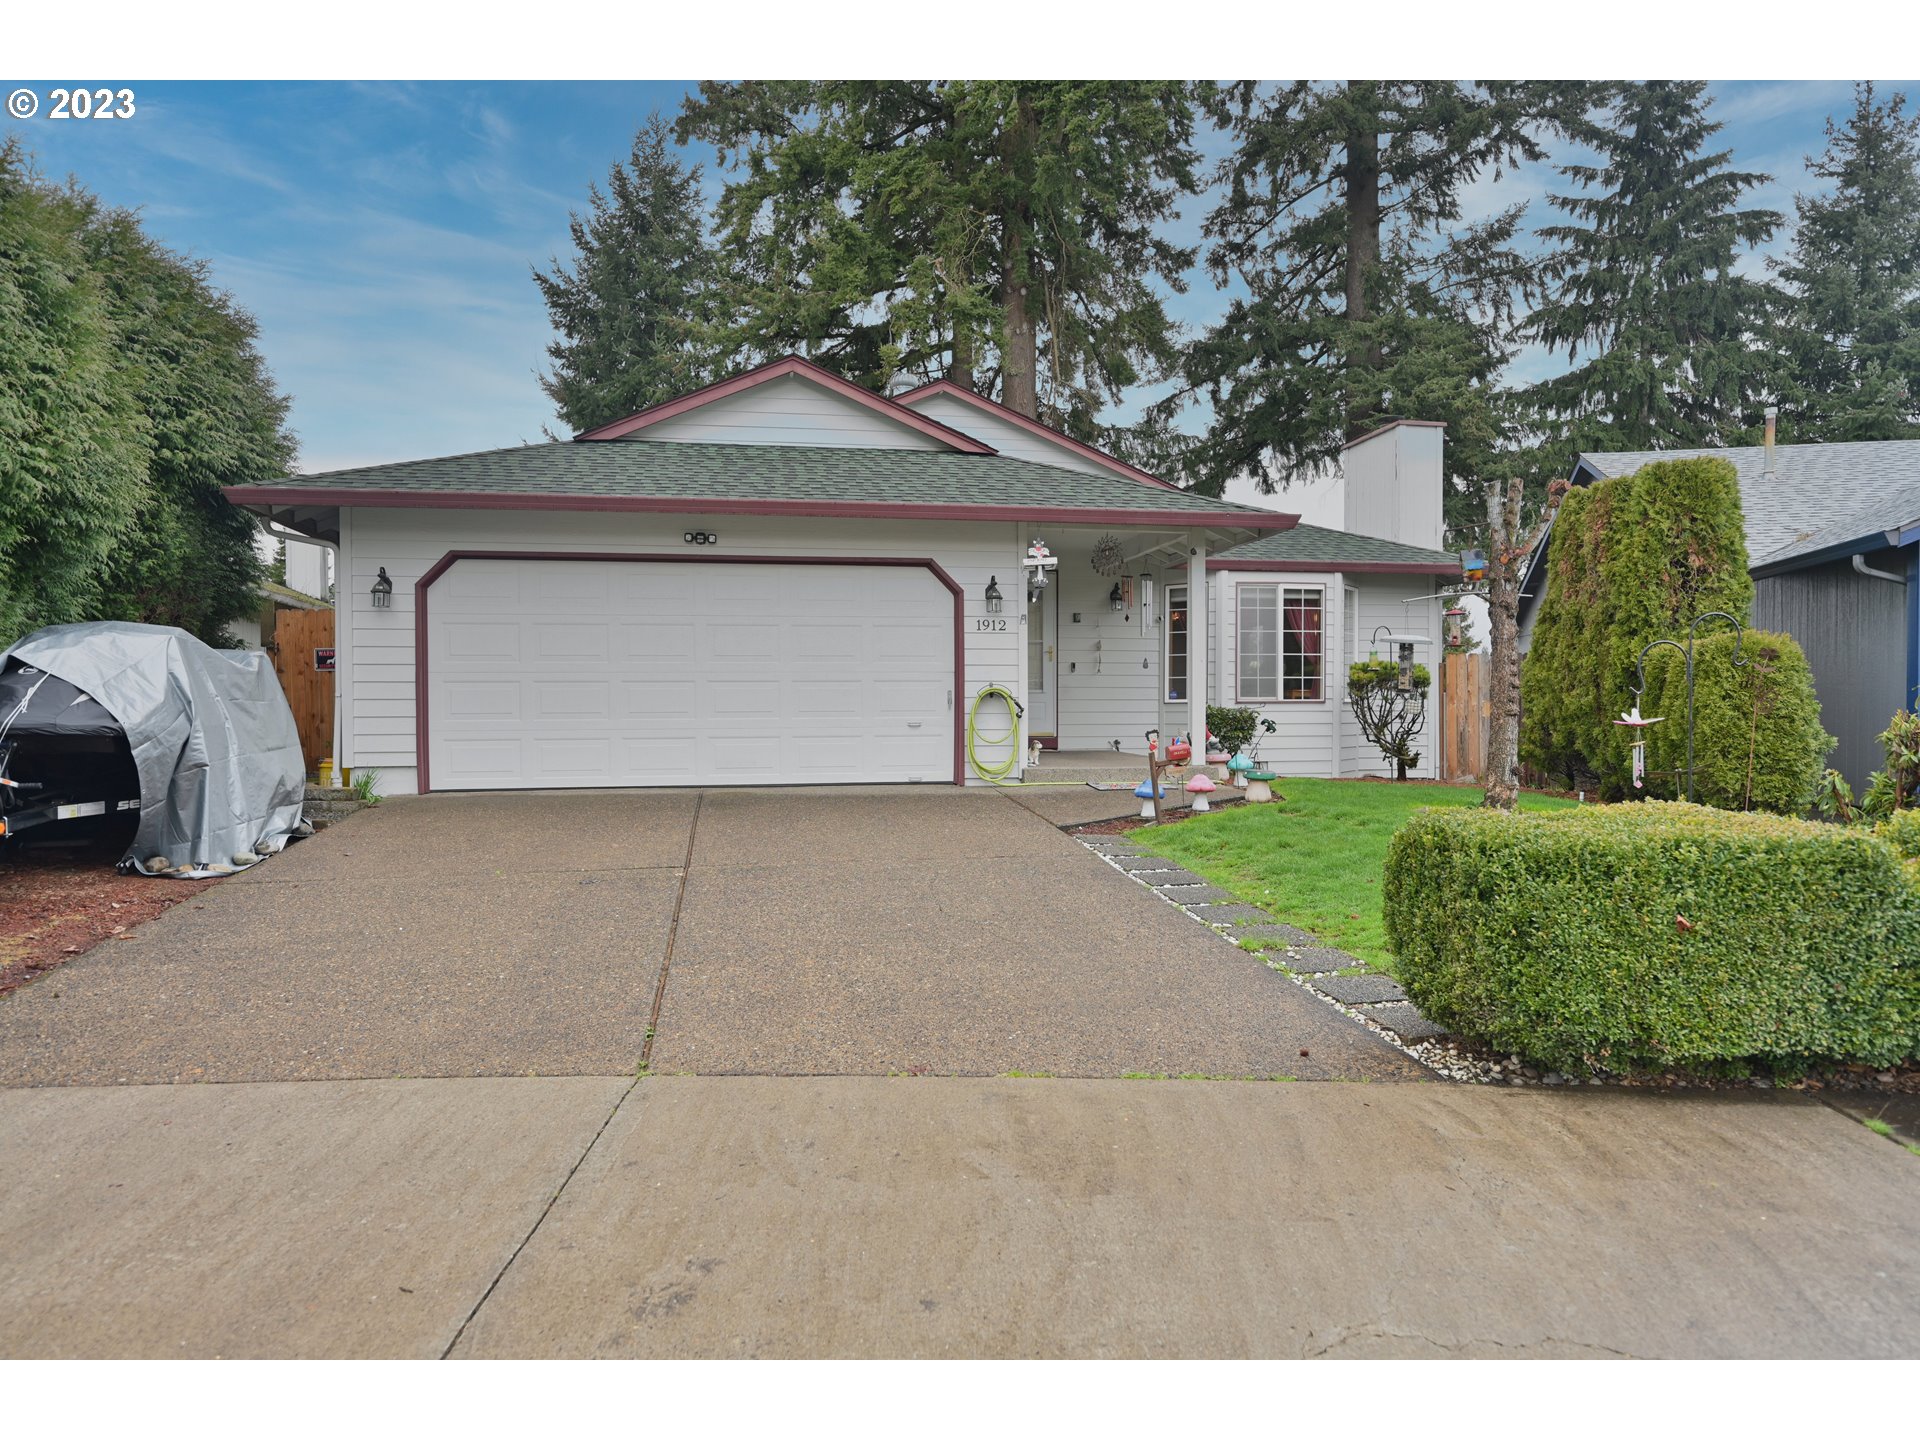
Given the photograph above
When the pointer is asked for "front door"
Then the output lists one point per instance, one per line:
(1043, 666)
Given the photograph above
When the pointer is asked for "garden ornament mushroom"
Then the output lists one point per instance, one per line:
(1145, 791)
(1199, 787)
(1240, 765)
(1260, 786)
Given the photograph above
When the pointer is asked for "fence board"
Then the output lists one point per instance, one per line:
(1467, 711)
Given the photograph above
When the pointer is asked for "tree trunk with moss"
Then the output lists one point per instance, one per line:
(1507, 553)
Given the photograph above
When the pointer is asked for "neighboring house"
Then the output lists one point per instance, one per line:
(1833, 543)
(256, 631)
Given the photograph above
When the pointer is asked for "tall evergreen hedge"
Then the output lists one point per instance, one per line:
(1758, 743)
(1633, 559)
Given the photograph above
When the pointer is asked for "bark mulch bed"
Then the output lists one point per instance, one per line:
(56, 903)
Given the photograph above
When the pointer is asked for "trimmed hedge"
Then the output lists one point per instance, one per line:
(1657, 934)
(1758, 743)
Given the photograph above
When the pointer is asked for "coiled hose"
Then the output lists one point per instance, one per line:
(996, 773)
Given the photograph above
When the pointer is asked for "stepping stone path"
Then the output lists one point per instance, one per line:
(1297, 952)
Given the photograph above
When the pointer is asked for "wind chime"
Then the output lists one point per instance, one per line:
(1636, 722)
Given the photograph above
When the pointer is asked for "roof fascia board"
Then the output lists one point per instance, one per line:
(778, 370)
(269, 495)
(1347, 567)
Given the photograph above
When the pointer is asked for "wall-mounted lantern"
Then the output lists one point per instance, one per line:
(1115, 601)
(383, 591)
(993, 594)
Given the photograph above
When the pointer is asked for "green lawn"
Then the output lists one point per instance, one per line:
(1313, 859)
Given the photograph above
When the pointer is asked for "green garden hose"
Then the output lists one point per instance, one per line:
(995, 774)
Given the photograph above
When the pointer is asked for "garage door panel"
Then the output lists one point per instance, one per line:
(658, 673)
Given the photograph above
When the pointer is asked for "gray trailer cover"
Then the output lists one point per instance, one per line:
(221, 773)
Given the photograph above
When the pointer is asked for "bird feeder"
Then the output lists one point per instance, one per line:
(1200, 787)
(1240, 765)
(1455, 621)
(1260, 786)
(1144, 791)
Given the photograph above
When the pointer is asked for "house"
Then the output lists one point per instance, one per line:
(1833, 544)
(784, 578)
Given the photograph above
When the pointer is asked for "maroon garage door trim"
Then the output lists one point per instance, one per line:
(447, 561)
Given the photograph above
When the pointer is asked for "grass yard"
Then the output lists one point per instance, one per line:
(1314, 859)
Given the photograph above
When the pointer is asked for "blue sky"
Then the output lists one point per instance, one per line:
(383, 234)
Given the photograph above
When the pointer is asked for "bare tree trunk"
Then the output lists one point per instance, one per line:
(1020, 362)
(1363, 236)
(1507, 553)
(960, 371)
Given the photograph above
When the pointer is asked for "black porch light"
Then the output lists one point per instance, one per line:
(993, 594)
(383, 591)
(1114, 598)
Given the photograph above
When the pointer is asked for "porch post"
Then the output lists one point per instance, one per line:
(1197, 606)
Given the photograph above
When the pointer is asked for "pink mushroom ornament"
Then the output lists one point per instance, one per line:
(1200, 787)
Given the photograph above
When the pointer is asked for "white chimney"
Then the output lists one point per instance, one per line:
(1395, 477)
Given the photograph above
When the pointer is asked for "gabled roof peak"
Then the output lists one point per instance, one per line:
(801, 368)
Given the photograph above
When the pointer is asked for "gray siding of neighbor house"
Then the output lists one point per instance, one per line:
(1853, 629)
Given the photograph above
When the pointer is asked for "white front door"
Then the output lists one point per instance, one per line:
(1043, 667)
(556, 673)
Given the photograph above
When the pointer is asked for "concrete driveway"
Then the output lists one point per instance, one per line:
(858, 932)
(466, 985)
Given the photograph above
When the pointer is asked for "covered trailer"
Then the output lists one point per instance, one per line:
(109, 717)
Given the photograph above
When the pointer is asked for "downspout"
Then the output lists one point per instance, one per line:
(1913, 622)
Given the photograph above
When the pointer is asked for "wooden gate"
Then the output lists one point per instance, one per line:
(297, 634)
(1466, 716)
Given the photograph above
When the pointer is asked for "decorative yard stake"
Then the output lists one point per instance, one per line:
(1686, 651)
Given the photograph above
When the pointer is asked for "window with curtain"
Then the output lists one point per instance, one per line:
(1301, 670)
(1176, 670)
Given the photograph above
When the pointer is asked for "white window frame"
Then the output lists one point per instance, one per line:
(1166, 648)
(1279, 591)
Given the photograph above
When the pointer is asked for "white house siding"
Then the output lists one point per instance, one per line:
(1006, 437)
(1304, 741)
(1380, 603)
(788, 411)
(377, 646)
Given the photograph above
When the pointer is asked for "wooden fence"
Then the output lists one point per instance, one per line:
(296, 635)
(1465, 717)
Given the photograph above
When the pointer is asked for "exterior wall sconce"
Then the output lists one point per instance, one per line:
(993, 594)
(383, 591)
(1115, 601)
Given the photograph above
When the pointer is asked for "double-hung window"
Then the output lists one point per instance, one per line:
(1279, 633)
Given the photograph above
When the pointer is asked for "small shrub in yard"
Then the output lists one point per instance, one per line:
(1232, 726)
(1657, 935)
(1902, 831)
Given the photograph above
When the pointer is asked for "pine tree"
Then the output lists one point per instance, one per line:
(1004, 234)
(1366, 296)
(635, 306)
(1853, 336)
(1647, 298)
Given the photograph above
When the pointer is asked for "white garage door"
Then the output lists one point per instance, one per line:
(547, 673)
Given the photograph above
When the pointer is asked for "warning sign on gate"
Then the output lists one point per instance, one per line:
(323, 659)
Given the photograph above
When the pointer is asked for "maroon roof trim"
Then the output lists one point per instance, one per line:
(1382, 429)
(1014, 417)
(706, 505)
(446, 562)
(1346, 567)
(778, 369)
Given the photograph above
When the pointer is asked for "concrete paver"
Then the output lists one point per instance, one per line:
(849, 1217)
(359, 1219)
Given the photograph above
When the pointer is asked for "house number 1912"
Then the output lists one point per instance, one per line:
(990, 624)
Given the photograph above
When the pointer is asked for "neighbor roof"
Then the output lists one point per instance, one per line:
(1819, 498)
(1314, 547)
(760, 479)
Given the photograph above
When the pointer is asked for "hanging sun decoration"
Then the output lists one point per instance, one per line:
(1108, 556)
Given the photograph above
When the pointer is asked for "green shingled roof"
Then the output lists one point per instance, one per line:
(1315, 544)
(693, 472)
